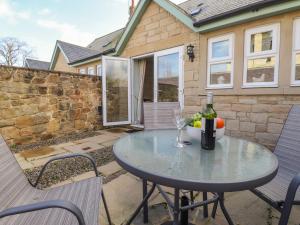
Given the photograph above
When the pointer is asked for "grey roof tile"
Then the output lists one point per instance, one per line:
(106, 42)
(213, 8)
(37, 64)
(75, 53)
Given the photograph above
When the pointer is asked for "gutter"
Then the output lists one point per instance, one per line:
(252, 7)
(91, 58)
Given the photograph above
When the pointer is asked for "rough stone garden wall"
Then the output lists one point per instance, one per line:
(37, 105)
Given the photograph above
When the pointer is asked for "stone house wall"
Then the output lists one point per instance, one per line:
(37, 105)
(257, 114)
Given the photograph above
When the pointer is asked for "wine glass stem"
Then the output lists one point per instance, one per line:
(179, 136)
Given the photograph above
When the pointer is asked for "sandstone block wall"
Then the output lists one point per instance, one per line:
(259, 118)
(37, 105)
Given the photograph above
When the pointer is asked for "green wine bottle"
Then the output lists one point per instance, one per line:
(208, 130)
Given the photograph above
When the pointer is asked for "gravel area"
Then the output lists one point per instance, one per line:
(64, 169)
(55, 141)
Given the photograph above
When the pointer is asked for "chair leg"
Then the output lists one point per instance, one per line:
(192, 199)
(205, 208)
(106, 209)
(285, 215)
(288, 203)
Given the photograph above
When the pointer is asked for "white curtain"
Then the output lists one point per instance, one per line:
(138, 85)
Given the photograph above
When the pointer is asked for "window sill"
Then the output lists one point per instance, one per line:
(218, 88)
(295, 85)
(260, 86)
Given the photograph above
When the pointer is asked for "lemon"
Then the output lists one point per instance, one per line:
(197, 124)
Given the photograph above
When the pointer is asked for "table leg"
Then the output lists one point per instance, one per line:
(176, 209)
(141, 205)
(205, 208)
(222, 206)
(145, 207)
(214, 211)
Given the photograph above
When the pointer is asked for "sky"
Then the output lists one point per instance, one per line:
(41, 22)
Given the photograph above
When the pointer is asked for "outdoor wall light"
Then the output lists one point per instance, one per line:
(190, 52)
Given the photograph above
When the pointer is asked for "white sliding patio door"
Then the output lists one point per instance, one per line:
(168, 76)
(116, 93)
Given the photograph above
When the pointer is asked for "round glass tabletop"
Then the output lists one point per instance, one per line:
(234, 165)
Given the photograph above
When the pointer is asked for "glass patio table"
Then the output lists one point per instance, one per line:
(234, 165)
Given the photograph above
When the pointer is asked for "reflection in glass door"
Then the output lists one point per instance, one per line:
(116, 87)
(169, 76)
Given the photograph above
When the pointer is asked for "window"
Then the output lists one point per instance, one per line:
(261, 57)
(82, 71)
(296, 54)
(220, 62)
(91, 71)
(99, 70)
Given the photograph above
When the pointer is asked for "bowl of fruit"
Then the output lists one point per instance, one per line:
(195, 124)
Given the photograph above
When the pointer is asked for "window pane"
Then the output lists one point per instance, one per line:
(261, 42)
(220, 73)
(117, 90)
(168, 78)
(261, 70)
(220, 49)
(298, 66)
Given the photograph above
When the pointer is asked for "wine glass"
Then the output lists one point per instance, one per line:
(179, 121)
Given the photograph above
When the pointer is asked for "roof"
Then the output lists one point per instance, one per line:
(103, 45)
(107, 41)
(212, 9)
(75, 52)
(37, 64)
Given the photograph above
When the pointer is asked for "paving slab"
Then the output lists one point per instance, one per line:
(109, 169)
(84, 147)
(40, 153)
(83, 176)
(97, 139)
(24, 164)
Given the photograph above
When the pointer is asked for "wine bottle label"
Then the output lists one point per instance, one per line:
(203, 124)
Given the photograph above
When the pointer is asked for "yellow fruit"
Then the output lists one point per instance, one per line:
(197, 124)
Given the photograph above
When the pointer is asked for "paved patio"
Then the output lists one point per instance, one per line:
(123, 190)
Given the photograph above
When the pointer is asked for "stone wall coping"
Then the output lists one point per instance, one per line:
(50, 71)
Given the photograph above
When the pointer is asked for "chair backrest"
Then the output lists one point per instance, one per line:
(13, 182)
(288, 145)
(159, 115)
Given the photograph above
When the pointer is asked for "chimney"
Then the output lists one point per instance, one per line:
(131, 8)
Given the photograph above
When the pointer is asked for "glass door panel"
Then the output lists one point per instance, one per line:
(116, 91)
(169, 76)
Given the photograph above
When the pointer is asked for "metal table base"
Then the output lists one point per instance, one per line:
(218, 198)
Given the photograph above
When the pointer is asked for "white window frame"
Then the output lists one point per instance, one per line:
(274, 52)
(296, 50)
(99, 69)
(220, 60)
(91, 68)
(82, 71)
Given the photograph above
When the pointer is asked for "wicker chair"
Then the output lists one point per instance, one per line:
(282, 192)
(23, 204)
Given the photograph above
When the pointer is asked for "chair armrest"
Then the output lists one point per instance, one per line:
(69, 206)
(67, 157)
